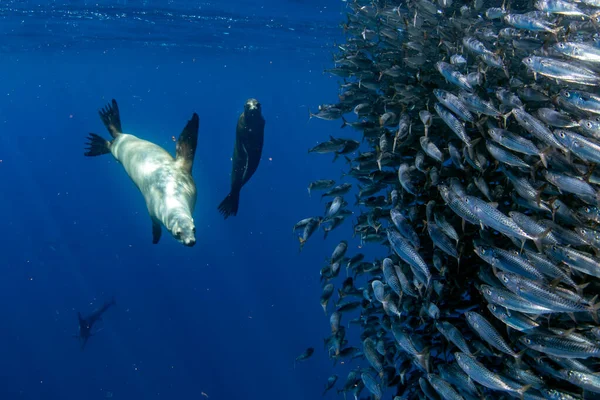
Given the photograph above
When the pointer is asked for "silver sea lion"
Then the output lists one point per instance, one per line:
(165, 182)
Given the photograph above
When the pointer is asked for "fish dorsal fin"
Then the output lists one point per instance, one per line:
(186, 144)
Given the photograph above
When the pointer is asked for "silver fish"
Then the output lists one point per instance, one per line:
(480, 374)
(488, 333)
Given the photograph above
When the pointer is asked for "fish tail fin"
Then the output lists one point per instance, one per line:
(519, 356)
(310, 115)
(229, 206)
(594, 308)
(344, 123)
(544, 156)
(97, 146)
(423, 358)
(556, 31)
(538, 195)
(302, 241)
(539, 239)
(523, 390)
(579, 288)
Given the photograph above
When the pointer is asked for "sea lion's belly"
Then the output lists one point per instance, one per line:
(164, 185)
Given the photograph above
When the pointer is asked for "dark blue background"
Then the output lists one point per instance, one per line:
(226, 317)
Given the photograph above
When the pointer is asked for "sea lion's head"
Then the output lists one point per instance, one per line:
(252, 107)
(184, 230)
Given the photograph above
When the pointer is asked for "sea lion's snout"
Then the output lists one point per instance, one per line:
(185, 232)
(189, 242)
(252, 105)
(187, 238)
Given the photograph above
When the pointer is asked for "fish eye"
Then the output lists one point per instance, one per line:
(589, 125)
(527, 340)
(488, 291)
(505, 279)
(561, 134)
(567, 94)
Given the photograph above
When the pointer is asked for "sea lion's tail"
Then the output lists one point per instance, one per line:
(229, 206)
(97, 146)
(111, 118)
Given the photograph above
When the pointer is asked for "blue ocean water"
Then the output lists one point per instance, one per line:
(224, 319)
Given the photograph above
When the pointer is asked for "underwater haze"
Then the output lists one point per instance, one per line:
(222, 320)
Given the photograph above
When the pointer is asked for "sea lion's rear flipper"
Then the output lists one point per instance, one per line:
(156, 231)
(229, 206)
(186, 144)
(111, 118)
(97, 146)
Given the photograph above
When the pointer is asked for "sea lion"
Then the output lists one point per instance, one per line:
(86, 324)
(165, 182)
(247, 151)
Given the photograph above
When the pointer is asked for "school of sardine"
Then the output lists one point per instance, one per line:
(472, 131)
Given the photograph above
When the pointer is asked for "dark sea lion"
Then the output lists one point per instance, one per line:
(247, 151)
(86, 324)
(165, 182)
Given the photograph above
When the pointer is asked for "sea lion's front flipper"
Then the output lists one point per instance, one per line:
(247, 157)
(111, 118)
(186, 144)
(156, 231)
